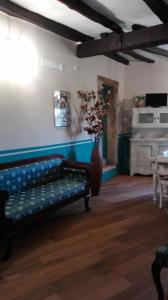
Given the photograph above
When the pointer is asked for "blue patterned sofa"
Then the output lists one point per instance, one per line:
(28, 187)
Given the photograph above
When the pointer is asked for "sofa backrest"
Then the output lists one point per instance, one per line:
(27, 176)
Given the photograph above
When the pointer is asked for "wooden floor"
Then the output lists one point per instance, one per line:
(103, 254)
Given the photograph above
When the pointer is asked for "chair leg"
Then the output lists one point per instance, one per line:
(156, 270)
(161, 196)
(87, 207)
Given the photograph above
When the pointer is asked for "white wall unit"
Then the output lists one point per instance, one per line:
(148, 117)
(142, 150)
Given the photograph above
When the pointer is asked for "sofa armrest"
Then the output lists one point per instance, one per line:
(88, 167)
(3, 198)
(77, 165)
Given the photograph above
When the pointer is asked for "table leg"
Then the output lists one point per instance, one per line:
(155, 188)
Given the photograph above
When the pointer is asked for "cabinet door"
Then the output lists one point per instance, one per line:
(144, 164)
(140, 157)
(144, 118)
(162, 118)
(162, 150)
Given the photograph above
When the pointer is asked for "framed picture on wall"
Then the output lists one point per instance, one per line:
(62, 112)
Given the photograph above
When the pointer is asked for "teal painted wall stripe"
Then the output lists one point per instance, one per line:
(44, 147)
(107, 175)
(78, 150)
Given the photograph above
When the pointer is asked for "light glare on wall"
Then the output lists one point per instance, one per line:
(18, 60)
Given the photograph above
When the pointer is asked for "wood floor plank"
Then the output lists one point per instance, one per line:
(105, 254)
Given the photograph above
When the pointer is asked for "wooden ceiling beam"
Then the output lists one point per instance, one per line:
(137, 27)
(160, 8)
(119, 58)
(130, 52)
(87, 11)
(157, 50)
(153, 50)
(17, 11)
(145, 37)
(115, 56)
(139, 56)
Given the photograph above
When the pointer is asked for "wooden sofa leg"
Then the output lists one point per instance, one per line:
(156, 270)
(6, 239)
(5, 248)
(87, 207)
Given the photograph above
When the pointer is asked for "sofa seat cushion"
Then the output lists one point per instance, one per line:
(25, 203)
(75, 174)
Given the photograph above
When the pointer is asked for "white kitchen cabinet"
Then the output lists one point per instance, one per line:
(148, 117)
(162, 117)
(141, 151)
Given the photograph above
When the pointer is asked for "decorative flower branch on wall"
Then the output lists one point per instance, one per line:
(95, 109)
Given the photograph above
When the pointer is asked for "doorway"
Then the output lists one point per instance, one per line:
(108, 88)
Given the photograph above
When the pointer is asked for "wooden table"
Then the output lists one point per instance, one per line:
(163, 170)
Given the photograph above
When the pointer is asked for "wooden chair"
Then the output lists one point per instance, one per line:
(161, 261)
(162, 182)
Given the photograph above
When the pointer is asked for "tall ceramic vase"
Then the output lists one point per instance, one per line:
(97, 168)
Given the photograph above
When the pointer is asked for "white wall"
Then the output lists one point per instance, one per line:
(26, 112)
(142, 78)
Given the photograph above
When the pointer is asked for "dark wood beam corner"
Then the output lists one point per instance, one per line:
(99, 46)
(160, 8)
(114, 56)
(17, 11)
(137, 27)
(139, 56)
(130, 52)
(87, 11)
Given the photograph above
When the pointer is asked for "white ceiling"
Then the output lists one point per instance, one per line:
(57, 11)
(125, 12)
(128, 11)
